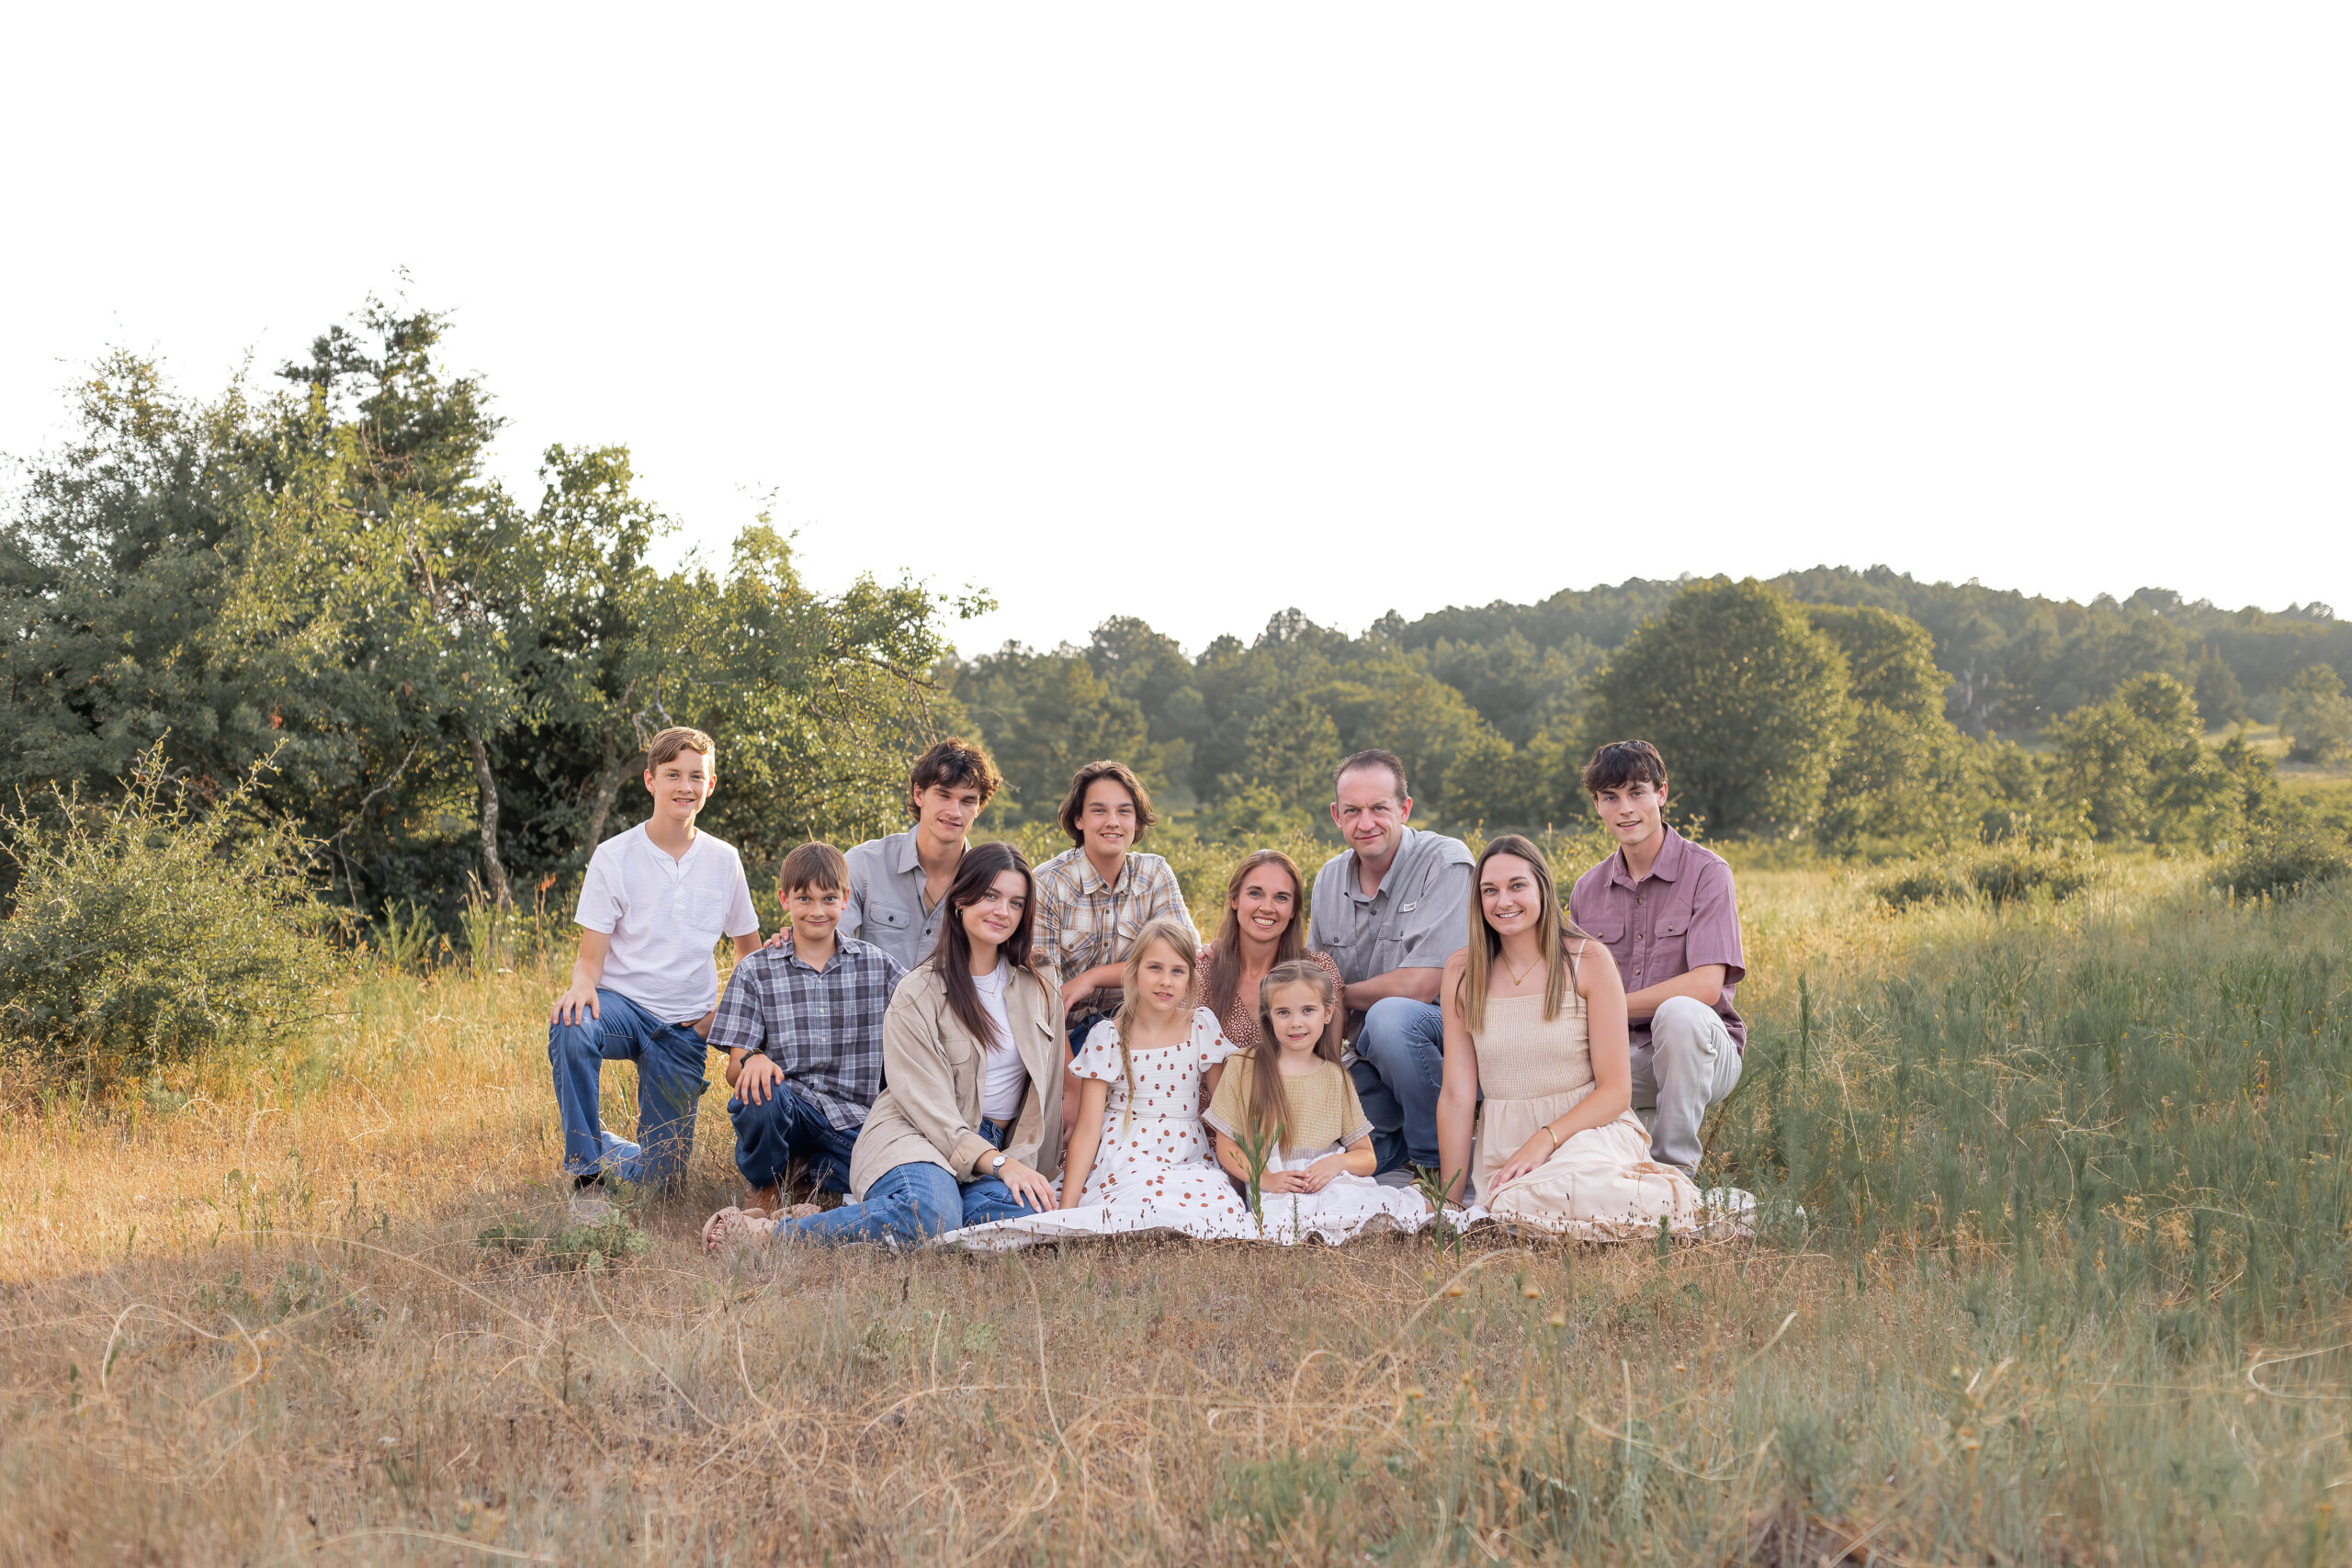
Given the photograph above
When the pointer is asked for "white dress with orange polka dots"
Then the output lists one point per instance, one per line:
(1156, 1169)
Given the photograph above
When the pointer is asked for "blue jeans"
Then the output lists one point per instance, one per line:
(910, 1203)
(790, 1126)
(669, 1058)
(1400, 1061)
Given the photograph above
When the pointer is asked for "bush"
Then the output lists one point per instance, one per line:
(2005, 875)
(145, 932)
(2010, 874)
(2278, 859)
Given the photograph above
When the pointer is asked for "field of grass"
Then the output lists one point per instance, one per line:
(2069, 1287)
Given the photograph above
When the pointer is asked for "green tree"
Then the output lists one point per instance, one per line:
(2138, 769)
(2316, 718)
(2221, 700)
(1745, 698)
(1890, 659)
(447, 681)
(1906, 776)
(1044, 715)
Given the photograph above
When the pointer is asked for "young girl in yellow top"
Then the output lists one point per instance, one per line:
(1293, 1101)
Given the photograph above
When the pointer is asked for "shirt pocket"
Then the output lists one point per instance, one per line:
(886, 920)
(705, 910)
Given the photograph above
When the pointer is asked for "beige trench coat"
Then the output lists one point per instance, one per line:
(932, 1110)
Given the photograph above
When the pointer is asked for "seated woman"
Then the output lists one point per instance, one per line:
(1535, 1015)
(1138, 1154)
(1265, 924)
(970, 1128)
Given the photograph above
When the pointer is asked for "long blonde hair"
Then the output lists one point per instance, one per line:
(1269, 1106)
(1554, 930)
(1177, 938)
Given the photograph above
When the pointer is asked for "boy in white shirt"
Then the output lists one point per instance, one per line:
(645, 986)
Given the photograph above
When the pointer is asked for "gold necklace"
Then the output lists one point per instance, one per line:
(1520, 978)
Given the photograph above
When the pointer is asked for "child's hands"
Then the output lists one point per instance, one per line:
(1319, 1176)
(576, 1001)
(757, 1080)
(1284, 1181)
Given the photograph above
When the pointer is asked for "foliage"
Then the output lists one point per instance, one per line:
(2005, 875)
(451, 682)
(2137, 768)
(2220, 697)
(2280, 857)
(2316, 716)
(1745, 698)
(146, 932)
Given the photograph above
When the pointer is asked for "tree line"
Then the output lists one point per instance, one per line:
(311, 586)
(307, 601)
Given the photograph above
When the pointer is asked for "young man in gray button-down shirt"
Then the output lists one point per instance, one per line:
(1665, 908)
(1390, 911)
(895, 883)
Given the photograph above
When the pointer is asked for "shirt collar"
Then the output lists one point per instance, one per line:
(1091, 880)
(1667, 867)
(1354, 883)
(905, 857)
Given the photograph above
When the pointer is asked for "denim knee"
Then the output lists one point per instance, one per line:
(1397, 1024)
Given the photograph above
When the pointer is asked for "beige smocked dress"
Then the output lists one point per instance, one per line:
(1600, 1184)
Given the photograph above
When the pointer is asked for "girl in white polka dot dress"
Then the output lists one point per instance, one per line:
(1140, 1158)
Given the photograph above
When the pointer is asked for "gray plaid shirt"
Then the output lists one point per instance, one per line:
(823, 1027)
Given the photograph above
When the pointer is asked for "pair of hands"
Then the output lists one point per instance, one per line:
(1314, 1178)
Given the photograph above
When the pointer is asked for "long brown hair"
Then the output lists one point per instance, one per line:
(1177, 938)
(1552, 931)
(981, 865)
(1225, 956)
(1269, 1106)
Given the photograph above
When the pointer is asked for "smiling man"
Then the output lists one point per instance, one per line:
(896, 883)
(1665, 910)
(1390, 910)
(1093, 897)
(644, 987)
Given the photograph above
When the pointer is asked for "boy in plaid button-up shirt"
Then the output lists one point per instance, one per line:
(801, 1025)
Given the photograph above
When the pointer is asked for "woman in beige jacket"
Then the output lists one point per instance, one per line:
(970, 1128)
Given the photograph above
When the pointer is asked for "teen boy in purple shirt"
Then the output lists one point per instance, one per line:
(1665, 910)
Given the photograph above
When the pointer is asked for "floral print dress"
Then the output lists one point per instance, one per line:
(1156, 1169)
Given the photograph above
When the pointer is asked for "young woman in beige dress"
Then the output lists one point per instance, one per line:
(1535, 1015)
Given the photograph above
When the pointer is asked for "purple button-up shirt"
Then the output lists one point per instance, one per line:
(1681, 916)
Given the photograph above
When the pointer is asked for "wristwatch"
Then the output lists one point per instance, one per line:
(996, 1167)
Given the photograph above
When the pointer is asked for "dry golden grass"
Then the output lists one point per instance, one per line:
(259, 1329)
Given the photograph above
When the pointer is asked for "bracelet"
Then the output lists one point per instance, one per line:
(1555, 1138)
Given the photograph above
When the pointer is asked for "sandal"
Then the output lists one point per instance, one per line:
(732, 1227)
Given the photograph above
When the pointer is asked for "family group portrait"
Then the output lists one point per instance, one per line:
(1072, 787)
(951, 1036)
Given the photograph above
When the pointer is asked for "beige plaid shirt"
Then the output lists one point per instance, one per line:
(1083, 922)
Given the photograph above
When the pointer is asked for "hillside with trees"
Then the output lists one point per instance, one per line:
(304, 602)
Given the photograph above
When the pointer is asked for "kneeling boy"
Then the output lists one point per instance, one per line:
(656, 901)
(802, 1030)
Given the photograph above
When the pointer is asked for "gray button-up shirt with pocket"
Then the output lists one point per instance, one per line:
(1417, 920)
(886, 905)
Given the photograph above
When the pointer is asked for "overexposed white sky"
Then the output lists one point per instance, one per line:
(1199, 311)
